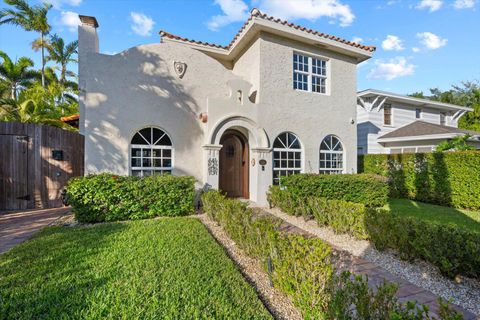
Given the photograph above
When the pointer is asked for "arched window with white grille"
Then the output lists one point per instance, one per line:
(151, 152)
(287, 156)
(331, 156)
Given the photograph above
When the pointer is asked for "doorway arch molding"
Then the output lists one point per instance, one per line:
(259, 136)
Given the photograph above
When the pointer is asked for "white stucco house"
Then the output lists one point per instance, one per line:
(279, 99)
(392, 123)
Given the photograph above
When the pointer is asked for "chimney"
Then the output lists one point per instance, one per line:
(87, 35)
(87, 44)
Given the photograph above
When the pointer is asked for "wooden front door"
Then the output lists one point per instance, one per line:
(14, 172)
(234, 165)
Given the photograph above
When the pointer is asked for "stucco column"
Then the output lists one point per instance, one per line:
(261, 170)
(211, 165)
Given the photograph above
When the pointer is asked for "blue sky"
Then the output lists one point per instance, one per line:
(420, 43)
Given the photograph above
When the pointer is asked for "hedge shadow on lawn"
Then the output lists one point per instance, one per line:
(36, 293)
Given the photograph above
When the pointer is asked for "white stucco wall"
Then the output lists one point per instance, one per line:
(311, 116)
(139, 87)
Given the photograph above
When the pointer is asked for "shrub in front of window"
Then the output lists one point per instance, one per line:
(108, 197)
(444, 178)
(370, 190)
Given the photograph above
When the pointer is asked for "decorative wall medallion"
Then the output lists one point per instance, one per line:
(180, 68)
(212, 166)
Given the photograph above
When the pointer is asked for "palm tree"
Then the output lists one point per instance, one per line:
(30, 18)
(62, 54)
(16, 75)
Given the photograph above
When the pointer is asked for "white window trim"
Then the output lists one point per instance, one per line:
(150, 147)
(391, 116)
(343, 153)
(302, 155)
(310, 74)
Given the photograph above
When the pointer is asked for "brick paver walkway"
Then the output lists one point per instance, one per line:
(376, 275)
(17, 227)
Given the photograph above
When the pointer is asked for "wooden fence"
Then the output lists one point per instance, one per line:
(36, 162)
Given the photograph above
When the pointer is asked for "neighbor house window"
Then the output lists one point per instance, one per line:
(309, 74)
(151, 152)
(387, 114)
(418, 113)
(443, 118)
(331, 156)
(287, 156)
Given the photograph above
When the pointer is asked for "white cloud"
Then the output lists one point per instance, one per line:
(392, 43)
(464, 4)
(415, 49)
(357, 40)
(309, 9)
(431, 5)
(70, 20)
(142, 25)
(233, 11)
(430, 40)
(391, 69)
(57, 4)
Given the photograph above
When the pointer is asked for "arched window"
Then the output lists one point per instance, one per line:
(287, 156)
(331, 155)
(151, 152)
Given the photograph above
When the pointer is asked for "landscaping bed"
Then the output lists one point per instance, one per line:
(161, 268)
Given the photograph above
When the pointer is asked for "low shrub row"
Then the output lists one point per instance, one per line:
(342, 216)
(108, 197)
(453, 249)
(370, 190)
(303, 268)
(444, 178)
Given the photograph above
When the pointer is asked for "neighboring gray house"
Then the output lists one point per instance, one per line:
(279, 99)
(393, 123)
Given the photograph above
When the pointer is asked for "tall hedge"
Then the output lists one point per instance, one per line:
(368, 189)
(109, 197)
(444, 178)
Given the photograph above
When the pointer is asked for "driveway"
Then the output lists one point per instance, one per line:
(17, 227)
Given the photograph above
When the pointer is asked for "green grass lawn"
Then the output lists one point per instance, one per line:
(169, 268)
(464, 218)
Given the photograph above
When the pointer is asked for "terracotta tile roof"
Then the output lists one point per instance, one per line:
(70, 118)
(421, 128)
(257, 13)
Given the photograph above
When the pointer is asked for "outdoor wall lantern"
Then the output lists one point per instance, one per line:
(57, 155)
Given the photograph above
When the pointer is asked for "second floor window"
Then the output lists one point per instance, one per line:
(387, 115)
(418, 113)
(443, 118)
(309, 74)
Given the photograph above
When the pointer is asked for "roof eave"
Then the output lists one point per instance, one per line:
(439, 136)
(413, 100)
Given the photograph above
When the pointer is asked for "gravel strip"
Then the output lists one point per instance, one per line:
(279, 305)
(465, 293)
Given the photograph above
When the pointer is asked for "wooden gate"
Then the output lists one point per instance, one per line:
(36, 162)
(14, 172)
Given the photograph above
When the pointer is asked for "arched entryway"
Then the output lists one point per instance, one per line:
(233, 177)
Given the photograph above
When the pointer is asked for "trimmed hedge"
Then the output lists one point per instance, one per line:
(303, 268)
(342, 216)
(370, 190)
(108, 197)
(444, 178)
(452, 249)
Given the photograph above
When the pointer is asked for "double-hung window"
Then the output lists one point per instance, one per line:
(309, 74)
